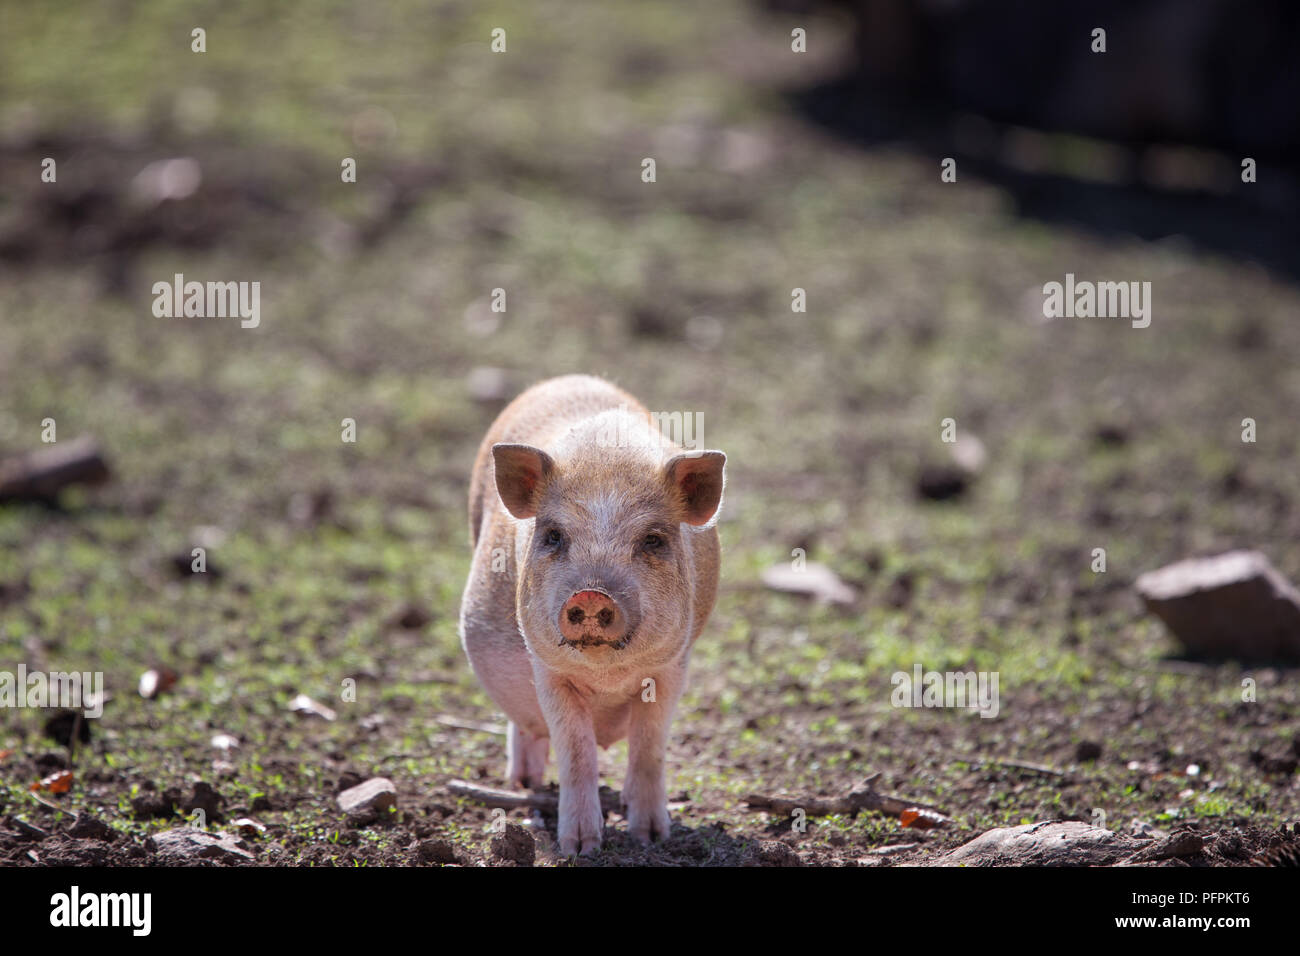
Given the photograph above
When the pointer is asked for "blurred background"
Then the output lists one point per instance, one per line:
(775, 170)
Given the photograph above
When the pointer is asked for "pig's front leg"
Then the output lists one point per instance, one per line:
(568, 716)
(645, 793)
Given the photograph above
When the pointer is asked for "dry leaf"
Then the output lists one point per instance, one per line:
(920, 819)
(58, 782)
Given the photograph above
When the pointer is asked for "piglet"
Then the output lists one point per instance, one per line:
(595, 568)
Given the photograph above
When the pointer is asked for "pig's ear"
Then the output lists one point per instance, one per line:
(698, 477)
(520, 470)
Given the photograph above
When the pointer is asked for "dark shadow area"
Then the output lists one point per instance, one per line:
(1146, 139)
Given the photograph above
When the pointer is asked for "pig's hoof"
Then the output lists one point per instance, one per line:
(574, 847)
(648, 826)
(582, 838)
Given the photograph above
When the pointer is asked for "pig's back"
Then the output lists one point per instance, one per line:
(533, 418)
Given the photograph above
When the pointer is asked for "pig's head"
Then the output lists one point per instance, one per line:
(607, 568)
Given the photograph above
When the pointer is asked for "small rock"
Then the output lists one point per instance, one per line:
(41, 475)
(1235, 480)
(1110, 434)
(88, 827)
(1233, 605)
(306, 707)
(1229, 844)
(153, 805)
(410, 617)
(942, 482)
(50, 761)
(814, 580)
(366, 801)
(177, 178)
(515, 845)
(1059, 843)
(205, 799)
(968, 454)
(61, 726)
(16, 590)
(488, 385)
(899, 593)
(186, 845)
(183, 564)
(435, 851)
(1283, 766)
(1087, 750)
(1145, 830)
(155, 681)
(248, 827)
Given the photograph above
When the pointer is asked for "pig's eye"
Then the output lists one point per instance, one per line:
(653, 542)
(553, 539)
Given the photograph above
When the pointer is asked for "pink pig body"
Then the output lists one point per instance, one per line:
(595, 568)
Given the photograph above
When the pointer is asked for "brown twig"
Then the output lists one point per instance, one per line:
(461, 723)
(864, 798)
(514, 800)
(1037, 768)
(40, 476)
(49, 803)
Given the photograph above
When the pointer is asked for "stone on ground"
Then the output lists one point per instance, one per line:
(1234, 605)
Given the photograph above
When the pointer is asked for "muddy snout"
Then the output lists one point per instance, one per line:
(592, 617)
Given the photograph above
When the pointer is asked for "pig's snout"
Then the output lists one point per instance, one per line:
(592, 617)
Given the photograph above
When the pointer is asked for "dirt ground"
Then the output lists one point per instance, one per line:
(336, 566)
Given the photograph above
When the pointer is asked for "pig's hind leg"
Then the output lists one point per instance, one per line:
(526, 757)
(500, 661)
